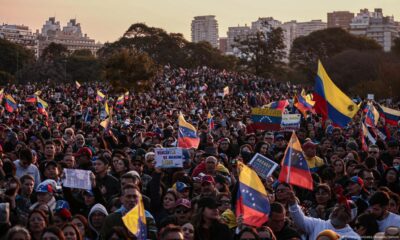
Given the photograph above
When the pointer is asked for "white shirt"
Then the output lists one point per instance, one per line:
(30, 170)
(392, 220)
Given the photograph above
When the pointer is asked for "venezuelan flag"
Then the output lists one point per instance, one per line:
(210, 121)
(120, 100)
(266, 118)
(135, 221)
(252, 201)
(294, 167)
(42, 105)
(31, 99)
(278, 105)
(100, 96)
(11, 104)
(391, 116)
(330, 101)
(301, 103)
(187, 134)
(372, 116)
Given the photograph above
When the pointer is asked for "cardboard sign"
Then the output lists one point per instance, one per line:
(290, 122)
(263, 166)
(168, 157)
(77, 178)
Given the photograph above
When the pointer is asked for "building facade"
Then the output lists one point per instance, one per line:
(340, 19)
(205, 28)
(305, 28)
(21, 35)
(236, 33)
(223, 44)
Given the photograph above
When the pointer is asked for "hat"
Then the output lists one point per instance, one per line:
(229, 218)
(134, 174)
(330, 234)
(357, 180)
(84, 150)
(309, 144)
(183, 202)
(279, 137)
(207, 178)
(60, 204)
(208, 202)
(44, 188)
(180, 187)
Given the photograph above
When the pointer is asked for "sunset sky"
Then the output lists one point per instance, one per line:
(106, 20)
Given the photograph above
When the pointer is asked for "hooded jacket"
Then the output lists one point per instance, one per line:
(96, 208)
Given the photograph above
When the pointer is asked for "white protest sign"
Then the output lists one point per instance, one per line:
(77, 178)
(168, 157)
(263, 166)
(370, 96)
(290, 122)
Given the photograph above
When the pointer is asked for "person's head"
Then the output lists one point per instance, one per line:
(100, 165)
(137, 164)
(88, 197)
(169, 199)
(81, 224)
(208, 209)
(49, 149)
(379, 204)
(182, 189)
(211, 164)
(131, 177)
(393, 148)
(224, 144)
(25, 157)
(310, 149)
(373, 151)
(80, 140)
(368, 178)
(69, 161)
(338, 166)
(171, 232)
(280, 192)
(366, 225)
(323, 194)
(224, 201)
(37, 221)
(83, 156)
(71, 232)
(18, 233)
(122, 166)
(396, 163)
(394, 202)
(341, 215)
(27, 185)
(188, 231)
(52, 233)
(51, 170)
(355, 186)
(44, 192)
(248, 233)
(269, 137)
(328, 235)
(391, 176)
(97, 216)
(130, 196)
(207, 185)
(183, 210)
(276, 220)
(149, 160)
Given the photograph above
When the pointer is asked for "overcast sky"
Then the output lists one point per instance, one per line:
(107, 20)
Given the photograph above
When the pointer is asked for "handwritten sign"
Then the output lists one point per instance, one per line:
(290, 122)
(263, 166)
(77, 178)
(168, 157)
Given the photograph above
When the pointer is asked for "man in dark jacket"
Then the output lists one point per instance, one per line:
(278, 223)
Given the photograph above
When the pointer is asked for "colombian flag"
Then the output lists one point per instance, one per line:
(295, 169)
(330, 101)
(11, 104)
(252, 201)
(42, 105)
(187, 135)
(391, 116)
(135, 221)
(100, 96)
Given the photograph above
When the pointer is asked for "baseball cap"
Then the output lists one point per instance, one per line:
(309, 144)
(208, 202)
(357, 180)
(84, 150)
(44, 188)
(183, 202)
(60, 204)
(180, 186)
(207, 178)
(279, 137)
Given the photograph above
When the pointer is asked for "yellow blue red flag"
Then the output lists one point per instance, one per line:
(11, 104)
(135, 221)
(187, 134)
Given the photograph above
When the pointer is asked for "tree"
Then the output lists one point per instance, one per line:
(262, 52)
(130, 68)
(13, 58)
(83, 66)
(324, 44)
(396, 46)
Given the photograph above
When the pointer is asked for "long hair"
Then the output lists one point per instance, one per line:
(54, 230)
(76, 230)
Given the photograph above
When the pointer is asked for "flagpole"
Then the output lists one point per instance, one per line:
(289, 162)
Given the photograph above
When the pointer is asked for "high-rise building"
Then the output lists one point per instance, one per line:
(265, 24)
(340, 19)
(236, 33)
(305, 28)
(289, 34)
(375, 26)
(70, 36)
(205, 28)
(223, 44)
(21, 35)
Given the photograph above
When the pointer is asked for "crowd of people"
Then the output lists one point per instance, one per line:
(356, 190)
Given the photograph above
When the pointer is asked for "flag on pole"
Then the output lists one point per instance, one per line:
(210, 121)
(100, 96)
(135, 221)
(11, 104)
(30, 99)
(42, 105)
(120, 100)
(187, 134)
(252, 201)
(294, 167)
(372, 116)
(391, 116)
(106, 108)
(304, 106)
(37, 93)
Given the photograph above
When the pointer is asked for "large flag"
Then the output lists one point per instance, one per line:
(42, 105)
(301, 103)
(279, 105)
(252, 201)
(266, 118)
(11, 104)
(210, 121)
(330, 101)
(294, 167)
(100, 96)
(187, 134)
(135, 221)
(391, 116)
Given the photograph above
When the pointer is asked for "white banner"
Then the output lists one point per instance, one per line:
(168, 157)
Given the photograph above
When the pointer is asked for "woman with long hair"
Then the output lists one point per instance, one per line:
(71, 232)
(52, 233)
(391, 180)
(340, 171)
(82, 224)
(37, 222)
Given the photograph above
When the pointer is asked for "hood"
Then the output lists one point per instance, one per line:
(97, 207)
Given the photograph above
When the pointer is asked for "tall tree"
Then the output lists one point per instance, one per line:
(262, 52)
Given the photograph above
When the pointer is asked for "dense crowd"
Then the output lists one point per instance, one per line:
(356, 190)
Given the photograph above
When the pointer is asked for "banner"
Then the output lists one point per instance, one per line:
(290, 122)
(168, 157)
(77, 178)
(263, 166)
(266, 118)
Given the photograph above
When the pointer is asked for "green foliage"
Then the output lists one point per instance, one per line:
(396, 46)
(83, 66)
(324, 44)
(262, 53)
(13, 57)
(54, 52)
(129, 68)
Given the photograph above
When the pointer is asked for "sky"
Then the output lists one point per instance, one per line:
(107, 20)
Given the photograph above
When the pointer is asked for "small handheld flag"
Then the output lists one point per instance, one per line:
(42, 105)
(210, 121)
(135, 221)
(100, 96)
(187, 134)
(11, 104)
